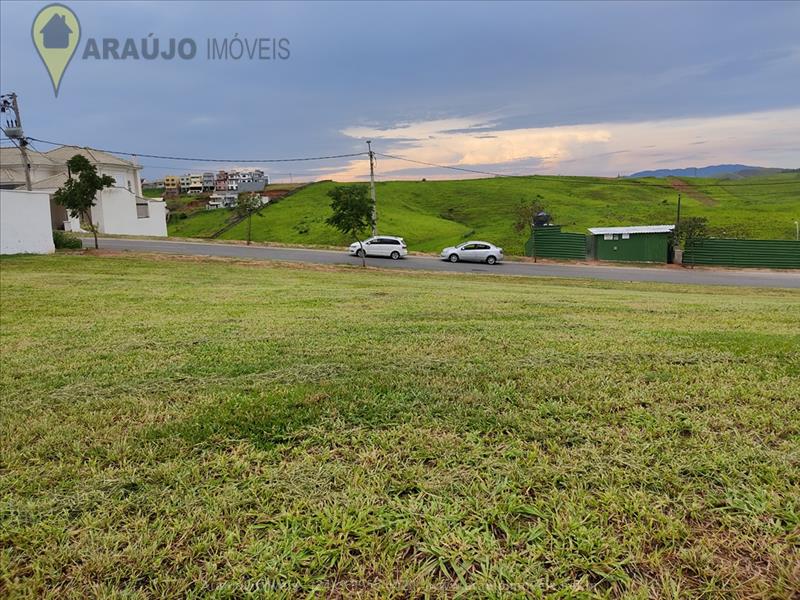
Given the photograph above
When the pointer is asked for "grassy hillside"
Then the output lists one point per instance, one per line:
(223, 429)
(153, 193)
(432, 214)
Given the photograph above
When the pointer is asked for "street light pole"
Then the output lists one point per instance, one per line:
(797, 230)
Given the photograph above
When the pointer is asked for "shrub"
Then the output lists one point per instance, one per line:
(64, 240)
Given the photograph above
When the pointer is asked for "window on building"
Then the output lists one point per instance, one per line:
(143, 210)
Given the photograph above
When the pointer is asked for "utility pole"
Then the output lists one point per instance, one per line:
(372, 188)
(14, 132)
(676, 242)
(797, 230)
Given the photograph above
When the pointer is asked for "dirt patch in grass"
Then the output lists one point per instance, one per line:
(686, 188)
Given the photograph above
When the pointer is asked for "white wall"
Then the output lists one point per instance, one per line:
(25, 222)
(115, 213)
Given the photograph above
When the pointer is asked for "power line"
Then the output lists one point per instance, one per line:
(211, 160)
(590, 180)
(578, 179)
(420, 162)
(35, 149)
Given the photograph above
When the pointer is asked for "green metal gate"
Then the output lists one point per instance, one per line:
(551, 242)
(776, 254)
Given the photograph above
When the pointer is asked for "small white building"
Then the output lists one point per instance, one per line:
(120, 209)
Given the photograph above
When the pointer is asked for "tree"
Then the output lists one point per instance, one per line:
(78, 195)
(525, 213)
(246, 205)
(691, 228)
(352, 212)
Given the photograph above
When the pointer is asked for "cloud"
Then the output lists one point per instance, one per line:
(603, 149)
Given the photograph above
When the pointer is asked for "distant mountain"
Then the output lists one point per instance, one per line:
(710, 171)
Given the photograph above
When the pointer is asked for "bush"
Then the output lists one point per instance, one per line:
(64, 240)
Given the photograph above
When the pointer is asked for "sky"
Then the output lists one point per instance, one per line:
(510, 88)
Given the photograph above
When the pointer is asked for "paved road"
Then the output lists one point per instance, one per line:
(611, 273)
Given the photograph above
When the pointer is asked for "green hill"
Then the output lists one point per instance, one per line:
(433, 214)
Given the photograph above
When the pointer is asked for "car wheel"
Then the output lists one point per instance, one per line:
(453, 258)
(395, 255)
(490, 260)
(360, 253)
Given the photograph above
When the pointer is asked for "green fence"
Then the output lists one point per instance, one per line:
(551, 242)
(776, 254)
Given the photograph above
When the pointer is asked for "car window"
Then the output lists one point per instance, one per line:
(468, 247)
(390, 241)
(481, 247)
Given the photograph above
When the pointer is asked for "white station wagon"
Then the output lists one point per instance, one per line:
(382, 245)
(474, 252)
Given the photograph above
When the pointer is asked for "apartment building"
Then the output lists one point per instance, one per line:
(221, 182)
(172, 183)
(209, 182)
(251, 175)
(237, 176)
(196, 184)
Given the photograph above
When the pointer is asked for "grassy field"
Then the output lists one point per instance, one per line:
(207, 428)
(435, 214)
(202, 224)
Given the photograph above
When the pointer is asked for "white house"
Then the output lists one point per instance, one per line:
(223, 200)
(120, 209)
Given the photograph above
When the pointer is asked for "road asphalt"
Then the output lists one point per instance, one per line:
(703, 276)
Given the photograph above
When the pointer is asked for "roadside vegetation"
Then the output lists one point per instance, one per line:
(192, 428)
(433, 214)
(64, 240)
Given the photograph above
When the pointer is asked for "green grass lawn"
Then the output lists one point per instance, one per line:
(202, 224)
(435, 214)
(192, 428)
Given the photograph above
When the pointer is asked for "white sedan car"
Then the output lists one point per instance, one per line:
(474, 252)
(384, 245)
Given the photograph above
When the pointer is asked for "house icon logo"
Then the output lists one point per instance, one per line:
(56, 32)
